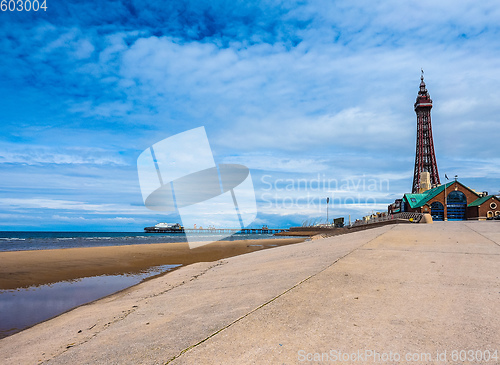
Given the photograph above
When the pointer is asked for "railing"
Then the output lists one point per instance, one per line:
(410, 216)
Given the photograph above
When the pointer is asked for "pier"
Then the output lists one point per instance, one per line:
(216, 230)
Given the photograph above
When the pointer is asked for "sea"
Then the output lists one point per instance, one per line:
(22, 240)
(24, 307)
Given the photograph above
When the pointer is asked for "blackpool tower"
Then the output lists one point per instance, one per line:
(425, 159)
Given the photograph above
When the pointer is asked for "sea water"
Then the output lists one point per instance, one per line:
(21, 241)
(25, 307)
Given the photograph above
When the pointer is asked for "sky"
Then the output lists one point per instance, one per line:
(314, 97)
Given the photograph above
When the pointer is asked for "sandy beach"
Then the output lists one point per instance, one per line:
(27, 268)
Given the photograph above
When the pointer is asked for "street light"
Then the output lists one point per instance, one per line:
(445, 209)
(327, 201)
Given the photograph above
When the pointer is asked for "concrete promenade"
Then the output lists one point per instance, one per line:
(413, 290)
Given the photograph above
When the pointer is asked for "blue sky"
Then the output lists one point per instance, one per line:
(299, 92)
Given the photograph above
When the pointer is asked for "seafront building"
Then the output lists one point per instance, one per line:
(450, 201)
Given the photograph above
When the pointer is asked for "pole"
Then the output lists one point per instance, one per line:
(445, 203)
(445, 210)
(327, 201)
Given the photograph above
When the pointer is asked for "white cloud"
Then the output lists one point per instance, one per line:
(36, 155)
(43, 203)
(268, 162)
(72, 205)
(79, 219)
(112, 109)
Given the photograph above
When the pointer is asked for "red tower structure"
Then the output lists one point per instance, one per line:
(425, 159)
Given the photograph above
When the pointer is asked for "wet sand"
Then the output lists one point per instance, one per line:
(20, 269)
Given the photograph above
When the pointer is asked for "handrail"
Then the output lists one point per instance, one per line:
(410, 216)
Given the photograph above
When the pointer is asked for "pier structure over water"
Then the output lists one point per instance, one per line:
(216, 230)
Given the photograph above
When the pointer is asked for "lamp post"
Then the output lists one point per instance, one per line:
(327, 201)
(445, 201)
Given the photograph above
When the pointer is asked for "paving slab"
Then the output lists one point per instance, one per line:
(418, 293)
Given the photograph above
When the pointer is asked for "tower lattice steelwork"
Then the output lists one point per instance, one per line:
(425, 159)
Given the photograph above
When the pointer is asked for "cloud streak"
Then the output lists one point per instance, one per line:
(30, 155)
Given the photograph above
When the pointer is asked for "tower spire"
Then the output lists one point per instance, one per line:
(425, 158)
(423, 90)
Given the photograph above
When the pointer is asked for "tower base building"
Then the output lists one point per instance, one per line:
(452, 201)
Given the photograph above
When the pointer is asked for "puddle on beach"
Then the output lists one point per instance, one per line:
(25, 307)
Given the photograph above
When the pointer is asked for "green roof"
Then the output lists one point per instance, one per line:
(418, 200)
(422, 199)
(414, 199)
(480, 201)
